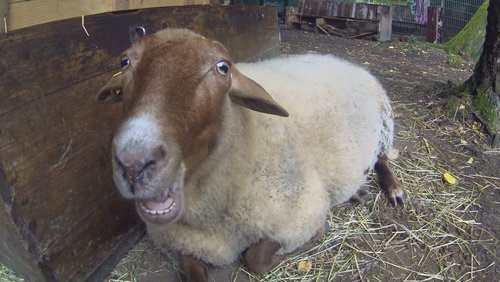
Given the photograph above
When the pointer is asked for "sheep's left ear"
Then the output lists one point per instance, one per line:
(248, 93)
(112, 91)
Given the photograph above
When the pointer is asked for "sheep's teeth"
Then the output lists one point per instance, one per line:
(158, 212)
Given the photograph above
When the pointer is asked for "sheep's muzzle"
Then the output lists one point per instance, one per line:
(165, 208)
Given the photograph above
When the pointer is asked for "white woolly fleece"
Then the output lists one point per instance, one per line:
(276, 178)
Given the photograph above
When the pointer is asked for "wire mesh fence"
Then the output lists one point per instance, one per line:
(457, 14)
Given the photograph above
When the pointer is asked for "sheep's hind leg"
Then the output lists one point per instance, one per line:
(388, 182)
(194, 269)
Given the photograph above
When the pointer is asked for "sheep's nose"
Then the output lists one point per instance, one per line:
(139, 165)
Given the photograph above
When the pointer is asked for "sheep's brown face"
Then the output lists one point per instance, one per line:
(174, 88)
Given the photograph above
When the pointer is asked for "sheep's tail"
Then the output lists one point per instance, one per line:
(393, 154)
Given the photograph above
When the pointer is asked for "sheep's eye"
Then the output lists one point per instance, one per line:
(222, 67)
(125, 62)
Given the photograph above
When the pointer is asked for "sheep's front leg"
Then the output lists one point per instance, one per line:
(388, 182)
(261, 256)
(194, 269)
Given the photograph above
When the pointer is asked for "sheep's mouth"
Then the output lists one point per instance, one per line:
(166, 207)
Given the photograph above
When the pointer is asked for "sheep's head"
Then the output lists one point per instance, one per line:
(173, 85)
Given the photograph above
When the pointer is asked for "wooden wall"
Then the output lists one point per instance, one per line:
(61, 217)
(4, 13)
(24, 13)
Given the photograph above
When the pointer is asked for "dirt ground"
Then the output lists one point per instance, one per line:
(446, 231)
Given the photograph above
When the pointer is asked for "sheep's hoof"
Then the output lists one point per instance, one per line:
(261, 256)
(396, 194)
(194, 269)
(389, 183)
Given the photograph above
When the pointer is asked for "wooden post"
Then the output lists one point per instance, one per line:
(4, 16)
(385, 24)
(434, 24)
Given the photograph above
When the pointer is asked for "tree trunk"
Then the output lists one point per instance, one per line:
(484, 83)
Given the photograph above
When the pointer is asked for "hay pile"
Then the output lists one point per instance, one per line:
(435, 237)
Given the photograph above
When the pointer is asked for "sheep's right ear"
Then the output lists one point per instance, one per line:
(112, 91)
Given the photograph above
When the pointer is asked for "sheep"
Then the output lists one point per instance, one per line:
(218, 169)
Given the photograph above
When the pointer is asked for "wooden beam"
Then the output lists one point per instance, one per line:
(29, 13)
(4, 16)
(15, 251)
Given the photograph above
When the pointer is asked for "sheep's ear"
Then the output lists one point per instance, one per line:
(250, 94)
(112, 91)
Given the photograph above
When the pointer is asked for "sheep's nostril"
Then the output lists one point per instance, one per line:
(119, 162)
(160, 153)
(138, 167)
(149, 164)
(136, 173)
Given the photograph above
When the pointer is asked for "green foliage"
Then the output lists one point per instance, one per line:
(456, 107)
(482, 104)
(416, 43)
(455, 60)
(468, 43)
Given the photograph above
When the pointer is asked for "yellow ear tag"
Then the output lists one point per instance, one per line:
(116, 92)
(117, 74)
(449, 178)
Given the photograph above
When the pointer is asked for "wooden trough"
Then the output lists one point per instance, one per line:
(61, 218)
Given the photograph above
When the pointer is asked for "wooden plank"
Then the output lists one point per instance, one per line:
(29, 13)
(68, 138)
(324, 30)
(14, 247)
(4, 16)
(117, 222)
(55, 173)
(141, 4)
(366, 18)
(331, 8)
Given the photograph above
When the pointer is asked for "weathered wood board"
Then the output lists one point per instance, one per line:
(361, 16)
(4, 15)
(60, 214)
(24, 13)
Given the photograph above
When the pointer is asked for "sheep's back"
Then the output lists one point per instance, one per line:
(340, 117)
